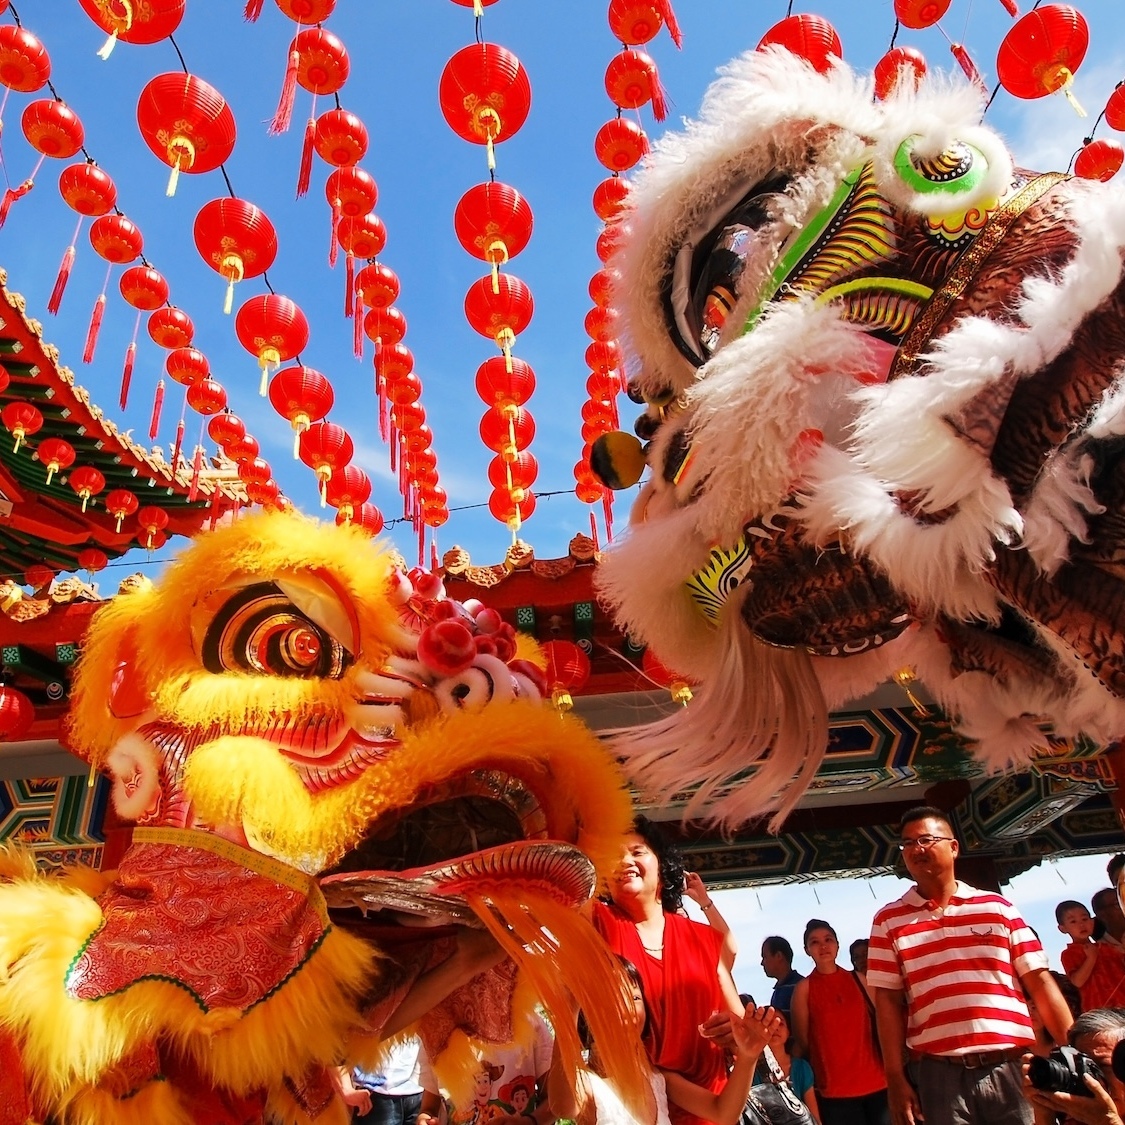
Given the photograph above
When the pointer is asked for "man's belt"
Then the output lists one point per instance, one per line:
(978, 1060)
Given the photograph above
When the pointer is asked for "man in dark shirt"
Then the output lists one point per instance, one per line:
(777, 963)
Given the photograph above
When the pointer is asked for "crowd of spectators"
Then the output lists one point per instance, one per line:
(938, 1018)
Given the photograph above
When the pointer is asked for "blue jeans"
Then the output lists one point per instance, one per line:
(391, 1109)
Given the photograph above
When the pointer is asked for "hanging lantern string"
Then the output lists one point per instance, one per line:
(90, 159)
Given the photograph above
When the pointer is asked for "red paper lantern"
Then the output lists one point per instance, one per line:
(1042, 51)
(21, 420)
(266, 493)
(665, 677)
(366, 516)
(301, 395)
(144, 288)
(17, 713)
(322, 60)
(609, 198)
(152, 520)
(351, 191)
(225, 429)
(631, 79)
(116, 239)
(235, 239)
(187, 123)
(187, 366)
(1099, 160)
(809, 37)
(501, 315)
(392, 361)
(348, 489)
(25, 65)
(406, 388)
(1115, 108)
(485, 95)
(589, 492)
(272, 328)
(38, 576)
(121, 503)
(92, 560)
(601, 324)
(568, 669)
(603, 355)
(325, 447)
(87, 189)
(619, 144)
(242, 449)
(52, 128)
(170, 327)
(410, 417)
(493, 222)
(133, 22)
(56, 454)
(340, 138)
(377, 286)
(307, 11)
(87, 482)
(507, 432)
(517, 473)
(254, 471)
(511, 510)
(601, 288)
(207, 397)
(638, 21)
(384, 326)
(900, 65)
(419, 438)
(474, 3)
(362, 236)
(500, 385)
(917, 14)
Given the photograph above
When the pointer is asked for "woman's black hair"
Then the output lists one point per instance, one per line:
(633, 975)
(671, 862)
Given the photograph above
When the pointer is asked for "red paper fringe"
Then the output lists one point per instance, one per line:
(334, 249)
(349, 282)
(92, 332)
(157, 406)
(284, 114)
(252, 10)
(669, 17)
(178, 448)
(357, 328)
(10, 196)
(381, 396)
(196, 469)
(305, 173)
(968, 66)
(61, 280)
(127, 373)
(659, 98)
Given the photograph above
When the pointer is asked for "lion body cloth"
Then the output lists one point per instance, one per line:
(297, 728)
(884, 422)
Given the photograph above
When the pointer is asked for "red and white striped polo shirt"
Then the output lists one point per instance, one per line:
(960, 968)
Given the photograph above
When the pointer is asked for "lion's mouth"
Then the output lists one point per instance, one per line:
(482, 829)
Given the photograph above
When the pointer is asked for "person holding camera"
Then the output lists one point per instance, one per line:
(947, 962)
(1081, 1082)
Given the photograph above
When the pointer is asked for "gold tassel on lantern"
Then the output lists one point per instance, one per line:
(181, 153)
(904, 677)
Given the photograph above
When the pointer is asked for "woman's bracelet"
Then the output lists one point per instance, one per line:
(706, 905)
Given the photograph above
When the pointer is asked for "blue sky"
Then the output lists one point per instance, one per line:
(397, 52)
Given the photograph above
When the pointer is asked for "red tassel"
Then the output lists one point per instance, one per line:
(334, 249)
(61, 280)
(1011, 7)
(421, 544)
(607, 508)
(381, 396)
(10, 196)
(178, 448)
(216, 497)
(968, 66)
(357, 328)
(284, 114)
(594, 530)
(252, 10)
(659, 98)
(127, 374)
(393, 444)
(669, 18)
(433, 556)
(157, 406)
(349, 282)
(305, 174)
(92, 333)
(196, 469)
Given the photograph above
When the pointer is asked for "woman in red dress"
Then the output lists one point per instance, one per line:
(690, 992)
(834, 1027)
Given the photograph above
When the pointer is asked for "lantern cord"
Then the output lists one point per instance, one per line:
(789, 9)
(894, 36)
(179, 53)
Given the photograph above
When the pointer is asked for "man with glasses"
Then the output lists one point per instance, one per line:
(947, 962)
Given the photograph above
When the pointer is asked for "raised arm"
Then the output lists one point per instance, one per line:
(696, 890)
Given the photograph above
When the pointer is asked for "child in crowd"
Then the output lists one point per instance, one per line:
(1088, 964)
(589, 1090)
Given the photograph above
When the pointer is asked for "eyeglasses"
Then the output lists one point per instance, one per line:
(923, 842)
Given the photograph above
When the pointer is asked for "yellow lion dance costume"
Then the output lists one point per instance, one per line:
(288, 703)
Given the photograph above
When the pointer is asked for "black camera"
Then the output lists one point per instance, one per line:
(1062, 1072)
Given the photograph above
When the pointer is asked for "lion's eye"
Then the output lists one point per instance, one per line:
(259, 630)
